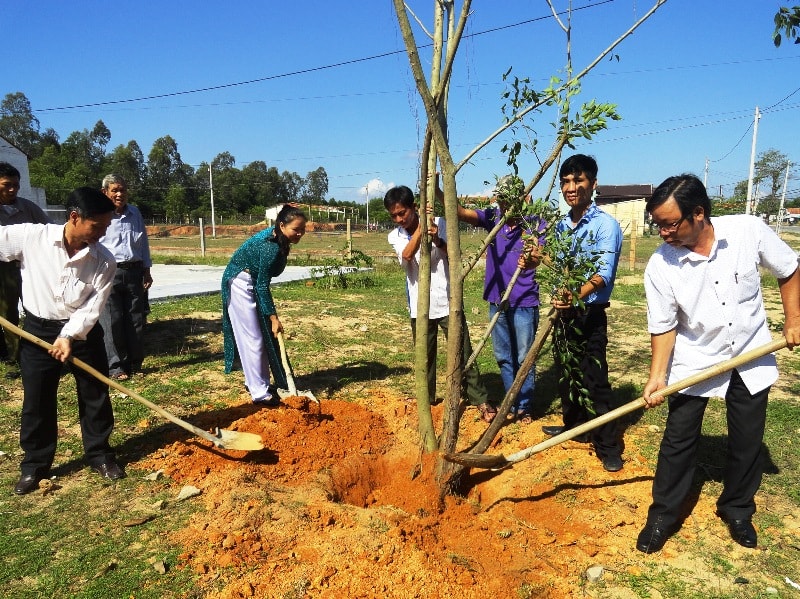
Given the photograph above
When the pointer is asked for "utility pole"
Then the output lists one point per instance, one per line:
(783, 199)
(752, 163)
(211, 185)
(366, 196)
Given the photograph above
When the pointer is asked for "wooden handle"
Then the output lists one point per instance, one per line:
(286, 368)
(112, 383)
(701, 376)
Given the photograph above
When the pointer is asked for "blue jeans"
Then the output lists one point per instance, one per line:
(512, 337)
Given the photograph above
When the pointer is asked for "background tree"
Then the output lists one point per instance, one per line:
(164, 168)
(175, 206)
(316, 186)
(293, 186)
(82, 159)
(18, 124)
(128, 162)
(770, 172)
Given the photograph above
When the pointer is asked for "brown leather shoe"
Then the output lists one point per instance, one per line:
(26, 484)
(110, 470)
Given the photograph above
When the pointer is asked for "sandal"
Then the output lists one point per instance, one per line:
(488, 412)
(525, 418)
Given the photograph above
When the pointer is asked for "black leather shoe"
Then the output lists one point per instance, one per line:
(612, 463)
(742, 532)
(552, 431)
(26, 484)
(653, 537)
(109, 470)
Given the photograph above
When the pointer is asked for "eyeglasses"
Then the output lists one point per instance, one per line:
(671, 228)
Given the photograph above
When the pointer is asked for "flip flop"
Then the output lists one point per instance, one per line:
(488, 412)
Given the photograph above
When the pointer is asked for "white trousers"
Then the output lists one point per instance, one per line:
(243, 312)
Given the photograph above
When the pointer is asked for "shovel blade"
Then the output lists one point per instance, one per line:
(286, 394)
(238, 440)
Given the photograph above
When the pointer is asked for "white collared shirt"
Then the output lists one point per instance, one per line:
(715, 301)
(440, 279)
(55, 286)
(126, 237)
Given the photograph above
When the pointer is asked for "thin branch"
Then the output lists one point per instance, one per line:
(419, 21)
(563, 87)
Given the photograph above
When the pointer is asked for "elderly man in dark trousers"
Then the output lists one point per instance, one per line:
(14, 210)
(125, 315)
(704, 305)
(66, 279)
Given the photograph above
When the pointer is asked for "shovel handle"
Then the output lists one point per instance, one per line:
(634, 405)
(286, 368)
(112, 383)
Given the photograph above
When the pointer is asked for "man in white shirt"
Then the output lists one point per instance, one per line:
(125, 314)
(704, 305)
(406, 240)
(66, 279)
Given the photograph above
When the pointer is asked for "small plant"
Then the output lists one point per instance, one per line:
(344, 273)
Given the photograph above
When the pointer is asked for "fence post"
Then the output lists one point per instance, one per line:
(202, 239)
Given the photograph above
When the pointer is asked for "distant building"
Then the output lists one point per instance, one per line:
(627, 204)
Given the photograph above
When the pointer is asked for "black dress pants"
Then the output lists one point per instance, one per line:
(591, 331)
(40, 378)
(746, 416)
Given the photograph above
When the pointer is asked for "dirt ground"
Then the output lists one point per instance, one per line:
(336, 507)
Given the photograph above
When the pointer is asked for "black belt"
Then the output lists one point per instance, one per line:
(130, 264)
(43, 322)
(578, 312)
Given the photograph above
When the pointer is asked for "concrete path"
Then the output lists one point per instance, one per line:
(170, 281)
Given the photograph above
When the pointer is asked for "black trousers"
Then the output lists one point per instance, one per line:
(10, 288)
(591, 331)
(746, 415)
(123, 320)
(40, 377)
(473, 387)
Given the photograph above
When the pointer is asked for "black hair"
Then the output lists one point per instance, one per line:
(688, 191)
(8, 170)
(286, 215)
(399, 195)
(577, 164)
(88, 202)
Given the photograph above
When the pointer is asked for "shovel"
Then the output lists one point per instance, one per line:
(223, 439)
(474, 460)
(292, 390)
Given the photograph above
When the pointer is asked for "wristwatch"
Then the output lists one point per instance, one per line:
(65, 336)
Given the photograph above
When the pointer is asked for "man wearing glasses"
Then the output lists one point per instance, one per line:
(704, 305)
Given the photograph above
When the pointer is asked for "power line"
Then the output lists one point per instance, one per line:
(304, 71)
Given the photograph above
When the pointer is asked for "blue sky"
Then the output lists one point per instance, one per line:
(306, 84)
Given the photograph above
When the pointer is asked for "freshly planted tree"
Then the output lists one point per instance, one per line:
(522, 102)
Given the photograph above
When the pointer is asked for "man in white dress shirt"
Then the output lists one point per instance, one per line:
(66, 279)
(406, 240)
(704, 305)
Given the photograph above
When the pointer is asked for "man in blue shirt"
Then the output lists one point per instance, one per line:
(598, 234)
(125, 314)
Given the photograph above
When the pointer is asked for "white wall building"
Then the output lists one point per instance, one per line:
(16, 157)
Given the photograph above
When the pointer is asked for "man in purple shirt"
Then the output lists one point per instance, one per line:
(515, 329)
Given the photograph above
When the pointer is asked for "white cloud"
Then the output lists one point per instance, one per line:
(377, 188)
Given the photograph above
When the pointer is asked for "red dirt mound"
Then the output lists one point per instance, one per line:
(341, 504)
